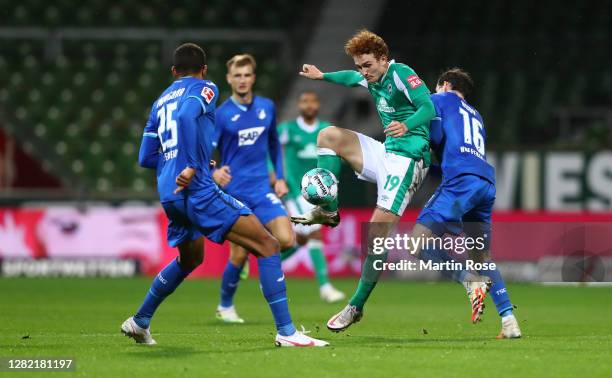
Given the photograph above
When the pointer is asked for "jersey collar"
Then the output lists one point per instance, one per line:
(382, 78)
(306, 127)
(240, 106)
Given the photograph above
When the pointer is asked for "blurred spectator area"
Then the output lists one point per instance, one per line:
(77, 79)
(536, 65)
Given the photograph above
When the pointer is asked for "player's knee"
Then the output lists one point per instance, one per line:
(269, 246)
(286, 241)
(189, 263)
(238, 259)
(329, 137)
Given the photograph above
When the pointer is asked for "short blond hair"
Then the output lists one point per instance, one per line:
(366, 42)
(241, 60)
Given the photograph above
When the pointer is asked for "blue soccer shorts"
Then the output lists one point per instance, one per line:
(210, 213)
(265, 206)
(463, 203)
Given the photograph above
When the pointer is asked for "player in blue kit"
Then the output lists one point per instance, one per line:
(465, 198)
(177, 142)
(246, 135)
(463, 201)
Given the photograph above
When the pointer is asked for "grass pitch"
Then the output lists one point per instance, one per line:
(409, 329)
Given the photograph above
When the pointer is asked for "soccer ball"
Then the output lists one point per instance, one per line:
(319, 186)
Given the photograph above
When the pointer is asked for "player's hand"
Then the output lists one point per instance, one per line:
(222, 176)
(396, 129)
(280, 188)
(310, 71)
(183, 179)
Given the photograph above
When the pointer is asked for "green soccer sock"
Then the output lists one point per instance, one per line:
(288, 252)
(315, 248)
(367, 282)
(328, 159)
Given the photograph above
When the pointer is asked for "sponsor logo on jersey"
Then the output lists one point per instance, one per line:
(208, 94)
(308, 152)
(383, 106)
(414, 81)
(235, 117)
(248, 137)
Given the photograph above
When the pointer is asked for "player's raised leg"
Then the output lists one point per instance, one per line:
(250, 234)
(230, 279)
(333, 145)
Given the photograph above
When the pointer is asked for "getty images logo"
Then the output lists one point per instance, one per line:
(248, 137)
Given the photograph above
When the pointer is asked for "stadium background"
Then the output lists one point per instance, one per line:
(77, 80)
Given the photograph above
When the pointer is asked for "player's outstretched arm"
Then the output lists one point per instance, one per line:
(346, 78)
(312, 72)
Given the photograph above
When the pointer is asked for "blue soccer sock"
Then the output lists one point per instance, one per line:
(499, 293)
(272, 281)
(163, 285)
(229, 284)
(438, 256)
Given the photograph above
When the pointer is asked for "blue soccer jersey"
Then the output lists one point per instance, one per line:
(246, 134)
(457, 135)
(168, 142)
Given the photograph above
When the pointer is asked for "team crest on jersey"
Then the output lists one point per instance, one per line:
(389, 88)
(414, 81)
(208, 94)
(248, 137)
(261, 114)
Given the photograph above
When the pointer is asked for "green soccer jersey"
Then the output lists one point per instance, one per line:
(300, 152)
(398, 95)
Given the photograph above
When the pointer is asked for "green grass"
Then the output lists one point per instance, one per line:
(567, 331)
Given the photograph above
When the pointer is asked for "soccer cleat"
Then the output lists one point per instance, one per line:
(228, 315)
(299, 339)
(140, 335)
(330, 294)
(342, 320)
(510, 328)
(477, 292)
(244, 273)
(318, 216)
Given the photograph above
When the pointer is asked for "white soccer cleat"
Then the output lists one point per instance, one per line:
(510, 328)
(477, 292)
(140, 335)
(318, 216)
(228, 315)
(330, 294)
(342, 320)
(299, 339)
